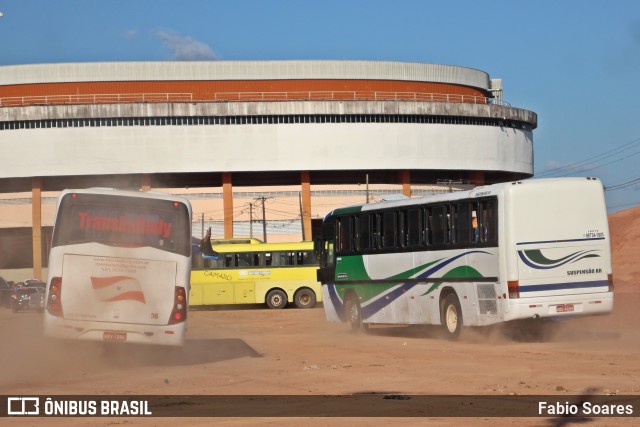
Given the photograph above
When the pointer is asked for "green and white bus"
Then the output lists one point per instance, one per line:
(531, 249)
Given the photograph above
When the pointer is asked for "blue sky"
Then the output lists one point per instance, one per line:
(576, 63)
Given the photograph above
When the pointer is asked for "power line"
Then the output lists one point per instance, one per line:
(623, 185)
(602, 156)
(605, 164)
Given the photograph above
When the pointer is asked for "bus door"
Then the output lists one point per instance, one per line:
(248, 273)
(220, 289)
(325, 248)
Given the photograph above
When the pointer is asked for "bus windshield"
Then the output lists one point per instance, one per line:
(122, 221)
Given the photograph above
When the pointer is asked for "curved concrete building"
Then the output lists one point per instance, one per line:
(245, 123)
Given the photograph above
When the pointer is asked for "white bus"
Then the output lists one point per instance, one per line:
(530, 249)
(119, 267)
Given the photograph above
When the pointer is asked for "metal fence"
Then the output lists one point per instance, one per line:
(21, 101)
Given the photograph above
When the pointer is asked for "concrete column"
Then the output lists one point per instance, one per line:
(476, 177)
(145, 182)
(405, 178)
(36, 218)
(227, 203)
(305, 184)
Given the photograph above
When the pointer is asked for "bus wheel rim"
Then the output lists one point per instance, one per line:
(451, 318)
(354, 314)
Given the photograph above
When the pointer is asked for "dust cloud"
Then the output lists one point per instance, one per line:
(297, 352)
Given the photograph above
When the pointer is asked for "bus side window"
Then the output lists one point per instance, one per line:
(402, 240)
(487, 222)
(209, 263)
(291, 258)
(345, 234)
(427, 239)
(267, 259)
(364, 232)
(229, 261)
(414, 228)
(309, 258)
(197, 262)
(280, 259)
(276, 259)
(375, 231)
(389, 229)
(244, 260)
(475, 229)
(461, 223)
(438, 225)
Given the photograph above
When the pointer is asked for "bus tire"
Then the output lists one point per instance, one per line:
(276, 299)
(452, 317)
(353, 313)
(305, 298)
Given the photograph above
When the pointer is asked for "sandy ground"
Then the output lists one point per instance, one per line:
(296, 352)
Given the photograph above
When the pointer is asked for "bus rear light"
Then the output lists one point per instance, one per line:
(514, 289)
(610, 281)
(179, 312)
(54, 302)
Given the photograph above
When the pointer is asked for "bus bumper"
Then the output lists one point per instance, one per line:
(560, 306)
(169, 335)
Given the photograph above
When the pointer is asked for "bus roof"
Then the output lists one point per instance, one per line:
(125, 193)
(238, 241)
(262, 247)
(481, 191)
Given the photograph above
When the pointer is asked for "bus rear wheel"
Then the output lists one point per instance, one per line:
(452, 316)
(305, 298)
(353, 313)
(276, 299)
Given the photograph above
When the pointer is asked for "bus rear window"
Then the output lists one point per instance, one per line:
(122, 221)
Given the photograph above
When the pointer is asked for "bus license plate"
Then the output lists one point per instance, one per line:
(563, 308)
(114, 336)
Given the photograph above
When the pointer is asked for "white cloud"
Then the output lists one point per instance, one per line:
(185, 48)
(130, 34)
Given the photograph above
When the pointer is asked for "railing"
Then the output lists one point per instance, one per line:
(21, 101)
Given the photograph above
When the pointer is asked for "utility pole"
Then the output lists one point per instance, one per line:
(202, 225)
(251, 220)
(367, 187)
(301, 216)
(264, 219)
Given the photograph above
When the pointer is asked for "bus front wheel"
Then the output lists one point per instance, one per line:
(305, 298)
(452, 316)
(276, 299)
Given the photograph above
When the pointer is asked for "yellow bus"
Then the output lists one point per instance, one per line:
(252, 272)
